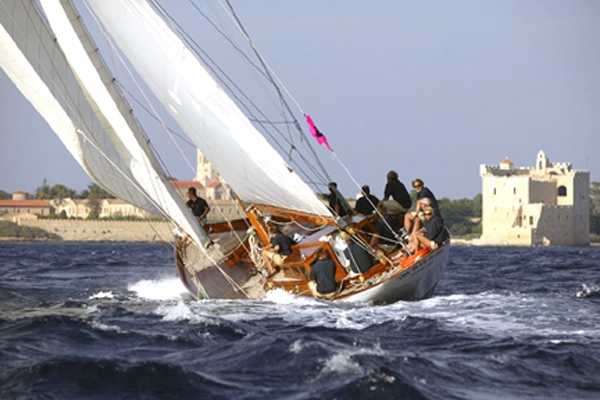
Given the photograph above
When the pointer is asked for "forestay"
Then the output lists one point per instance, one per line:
(243, 157)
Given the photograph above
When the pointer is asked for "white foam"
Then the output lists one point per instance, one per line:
(91, 309)
(588, 290)
(343, 361)
(341, 364)
(106, 328)
(102, 295)
(281, 296)
(179, 312)
(164, 289)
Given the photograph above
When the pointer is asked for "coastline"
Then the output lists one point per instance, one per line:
(142, 231)
(98, 231)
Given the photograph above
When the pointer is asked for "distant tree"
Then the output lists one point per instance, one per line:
(595, 208)
(477, 204)
(60, 192)
(4, 195)
(43, 192)
(95, 189)
(94, 205)
(459, 215)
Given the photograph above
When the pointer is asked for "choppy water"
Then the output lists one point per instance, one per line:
(112, 321)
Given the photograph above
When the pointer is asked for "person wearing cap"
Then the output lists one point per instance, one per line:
(431, 235)
(425, 197)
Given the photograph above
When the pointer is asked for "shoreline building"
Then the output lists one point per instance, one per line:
(544, 205)
(211, 186)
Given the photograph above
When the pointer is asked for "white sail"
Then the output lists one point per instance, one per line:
(119, 124)
(33, 61)
(243, 157)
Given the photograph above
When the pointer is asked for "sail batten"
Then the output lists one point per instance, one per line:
(243, 157)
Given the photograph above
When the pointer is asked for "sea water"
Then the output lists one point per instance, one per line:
(113, 321)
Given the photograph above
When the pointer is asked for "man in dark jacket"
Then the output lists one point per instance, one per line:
(367, 203)
(322, 276)
(199, 206)
(400, 201)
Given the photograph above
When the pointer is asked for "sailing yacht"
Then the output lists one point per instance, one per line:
(46, 50)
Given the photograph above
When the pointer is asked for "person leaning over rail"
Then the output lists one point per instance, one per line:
(322, 276)
(431, 235)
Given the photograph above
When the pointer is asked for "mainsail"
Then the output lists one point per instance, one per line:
(243, 157)
(34, 61)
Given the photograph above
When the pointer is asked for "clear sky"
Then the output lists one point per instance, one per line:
(431, 89)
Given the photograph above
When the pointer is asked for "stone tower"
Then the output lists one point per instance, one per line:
(544, 205)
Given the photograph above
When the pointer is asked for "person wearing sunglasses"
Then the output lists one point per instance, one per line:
(425, 197)
(431, 235)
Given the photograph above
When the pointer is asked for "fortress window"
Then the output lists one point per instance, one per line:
(562, 191)
(531, 220)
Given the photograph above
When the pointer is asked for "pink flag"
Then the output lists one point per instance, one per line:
(315, 132)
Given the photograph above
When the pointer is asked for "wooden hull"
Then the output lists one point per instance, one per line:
(225, 273)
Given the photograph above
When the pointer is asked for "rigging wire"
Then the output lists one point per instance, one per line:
(234, 89)
(270, 73)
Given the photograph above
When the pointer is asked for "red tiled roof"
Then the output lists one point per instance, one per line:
(506, 161)
(214, 184)
(186, 184)
(24, 203)
(20, 192)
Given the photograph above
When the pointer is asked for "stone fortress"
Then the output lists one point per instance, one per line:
(544, 205)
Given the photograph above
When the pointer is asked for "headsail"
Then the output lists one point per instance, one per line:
(34, 61)
(110, 106)
(243, 157)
